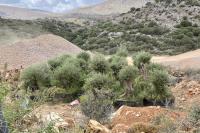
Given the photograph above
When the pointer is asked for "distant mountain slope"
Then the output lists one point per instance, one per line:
(22, 13)
(35, 50)
(111, 7)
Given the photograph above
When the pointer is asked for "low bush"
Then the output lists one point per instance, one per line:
(165, 124)
(68, 76)
(142, 127)
(84, 55)
(98, 81)
(116, 64)
(194, 115)
(98, 108)
(100, 64)
(58, 61)
(36, 77)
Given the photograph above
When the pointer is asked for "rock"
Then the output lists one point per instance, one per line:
(45, 119)
(125, 116)
(96, 127)
(62, 117)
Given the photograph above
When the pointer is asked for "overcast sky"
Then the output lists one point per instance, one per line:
(50, 5)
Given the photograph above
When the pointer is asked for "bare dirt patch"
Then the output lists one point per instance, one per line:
(126, 116)
(187, 94)
(29, 51)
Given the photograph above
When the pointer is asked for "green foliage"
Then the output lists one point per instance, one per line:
(143, 88)
(128, 73)
(4, 89)
(13, 114)
(116, 64)
(165, 123)
(97, 107)
(184, 23)
(35, 77)
(48, 129)
(155, 30)
(141, 59)
(160, 81)
(98, 81)
(122, 51)
(100, 64)
(58, 61)
(84, 55)
(194, 115)
(68, 76)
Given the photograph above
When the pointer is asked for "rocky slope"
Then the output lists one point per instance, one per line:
(166, 15)
(110, 7)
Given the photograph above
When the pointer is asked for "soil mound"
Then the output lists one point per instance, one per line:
(35, 50)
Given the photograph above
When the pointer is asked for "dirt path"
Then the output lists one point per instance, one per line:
(189, 60)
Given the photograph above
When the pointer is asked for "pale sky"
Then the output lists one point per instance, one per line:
(50, 5)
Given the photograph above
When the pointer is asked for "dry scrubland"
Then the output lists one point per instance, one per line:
(121, 90)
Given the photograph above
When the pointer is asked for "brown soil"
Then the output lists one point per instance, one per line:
(187, 94)
(189, 60)
(35, 50)
(126, 116)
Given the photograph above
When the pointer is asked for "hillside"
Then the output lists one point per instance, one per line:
(22, 13)
(110, 7)
(165, 15)
(29, 51)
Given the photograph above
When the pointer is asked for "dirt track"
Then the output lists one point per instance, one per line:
(189, 60)
(35, 50)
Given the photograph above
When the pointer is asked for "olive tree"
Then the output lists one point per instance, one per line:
(160, 81)
(97, 82)
(116, 64)
(68, 76)
(36, 76)
(100, 64)
(127, 76)
(141, 60)
(97, 102)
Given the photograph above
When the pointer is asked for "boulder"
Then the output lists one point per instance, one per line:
(96, 127)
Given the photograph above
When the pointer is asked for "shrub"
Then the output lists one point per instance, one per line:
(127, 76)
(142, 127)
(194, 115)
(98, 81)
(143, 88)
(141, 59)
(58, 61)
(100, 64)
(98, 108)
(36, 76)
(165, 124)
(122, 51)
(116, 64)
(84, 55)
(4, 89)
(160, 81)
(68, 76)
